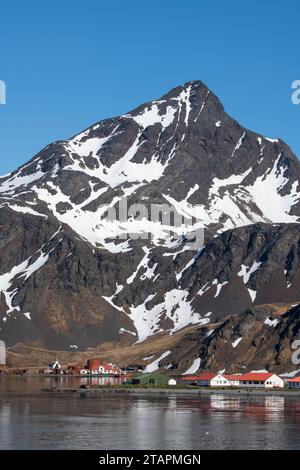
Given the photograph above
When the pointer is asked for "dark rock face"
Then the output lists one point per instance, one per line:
(247, 265)
(69, 277)
(260, 338)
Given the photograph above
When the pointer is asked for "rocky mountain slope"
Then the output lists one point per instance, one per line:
(78, 270)
(260, 338)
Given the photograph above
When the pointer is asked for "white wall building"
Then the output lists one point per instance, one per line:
(172, 382)
(219, 381)
(260, 380)
(210, 379)
(250, 380)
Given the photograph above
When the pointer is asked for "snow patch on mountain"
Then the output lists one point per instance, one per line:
(236, 342)
(22, 272)
(153, 366)
(268, 321)
(151, 115)
(238, 145)
(275, 207)
(194, 367)
(175, 307)
(246, 272)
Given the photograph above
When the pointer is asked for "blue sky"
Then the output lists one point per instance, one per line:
(70, 63)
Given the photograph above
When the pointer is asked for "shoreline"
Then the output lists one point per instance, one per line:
(165, 392)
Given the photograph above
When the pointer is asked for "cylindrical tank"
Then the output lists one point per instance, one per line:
(93, 364)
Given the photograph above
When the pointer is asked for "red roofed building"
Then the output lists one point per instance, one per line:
(250, 380)
(102, 369)
(293, 383)
(202, 380)
(233, 379)
(261, 380)
(210, 379)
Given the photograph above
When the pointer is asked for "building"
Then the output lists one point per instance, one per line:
(215, 380)
(153, 379)
(93, 368)
(293, 383)
(211, 379)
(94, 364)
(172, 383)
(224, 380)
(74, 370)
(202, 380)
(233, 379)
(133, 368)
(109, 369)
(55, 368)
(250, 380)
(261, 380)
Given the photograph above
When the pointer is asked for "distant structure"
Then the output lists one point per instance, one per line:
(56, 368)
(96, 367)
(172, 382)
(293, 383)
(93, 364)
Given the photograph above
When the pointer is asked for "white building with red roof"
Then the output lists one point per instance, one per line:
(210, 379)
(261, 380)
(103, 369)
(250, 380)
(293, 383)
(202, 380)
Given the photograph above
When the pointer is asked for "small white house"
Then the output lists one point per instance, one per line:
(55, 365)
(172, 382)
(261, 380)
(56, 368)
(224, 380)
(209, 379)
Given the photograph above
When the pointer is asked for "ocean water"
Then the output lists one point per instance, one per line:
(32, 419)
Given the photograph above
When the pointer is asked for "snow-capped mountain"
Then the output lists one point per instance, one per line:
(71, 276)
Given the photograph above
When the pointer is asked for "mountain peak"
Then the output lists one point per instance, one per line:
(69, 275)
(186, 137)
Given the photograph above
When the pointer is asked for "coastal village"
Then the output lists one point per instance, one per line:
(137, 375)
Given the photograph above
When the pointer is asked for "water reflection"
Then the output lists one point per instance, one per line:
(221, 402)
(101, 380)
(36, 384)
(33, 420)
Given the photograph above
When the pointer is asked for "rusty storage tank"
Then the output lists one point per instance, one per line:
(93, 364)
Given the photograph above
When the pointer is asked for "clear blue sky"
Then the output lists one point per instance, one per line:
(70, 63)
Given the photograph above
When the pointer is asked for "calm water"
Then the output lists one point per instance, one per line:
(30, 419)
